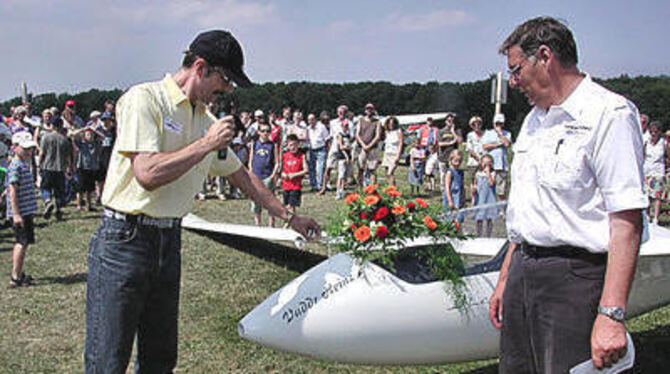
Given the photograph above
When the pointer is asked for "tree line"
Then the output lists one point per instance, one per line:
(650, 94)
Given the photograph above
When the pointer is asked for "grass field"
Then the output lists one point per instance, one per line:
(43, 326)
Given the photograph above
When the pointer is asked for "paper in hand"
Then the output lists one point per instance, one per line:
(625, 363)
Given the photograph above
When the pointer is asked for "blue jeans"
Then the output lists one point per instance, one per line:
(317, 164)
(132, 290)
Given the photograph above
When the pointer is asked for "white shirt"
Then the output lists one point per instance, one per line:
(573, 165)
(498, 154)
(474, 144)
(654, 158)
(336, 128)
(318, 135)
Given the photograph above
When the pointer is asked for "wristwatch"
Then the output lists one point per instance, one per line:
(614, 312)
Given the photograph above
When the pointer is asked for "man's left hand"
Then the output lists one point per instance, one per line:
(608, 341)
(306, 226)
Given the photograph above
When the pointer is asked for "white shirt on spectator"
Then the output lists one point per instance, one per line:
(317, 135)
(654, 158)
(474, 144)
(573, 165)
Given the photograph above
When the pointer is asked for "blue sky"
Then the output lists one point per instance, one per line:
(74, 45)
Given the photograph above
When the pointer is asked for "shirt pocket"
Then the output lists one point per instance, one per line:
(562, 164)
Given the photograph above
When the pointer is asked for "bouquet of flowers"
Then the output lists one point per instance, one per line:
(376, 224)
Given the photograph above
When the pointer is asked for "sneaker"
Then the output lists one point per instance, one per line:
(23, 281)
(200, 196)
(221, 196)
(49, 209)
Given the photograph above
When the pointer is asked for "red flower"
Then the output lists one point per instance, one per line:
(352, 227)
(429, 223)
(364, 215)
(398, 210)
(457, 225)
(362, 234)
(411, 207)
(381, 213)
(422, 203)
(381, 232)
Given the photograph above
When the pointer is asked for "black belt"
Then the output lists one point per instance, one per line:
(566, 251)
(317, 149)
(142, 219)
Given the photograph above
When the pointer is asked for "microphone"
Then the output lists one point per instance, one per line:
(223, 153)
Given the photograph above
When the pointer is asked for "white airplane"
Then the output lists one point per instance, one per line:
(343, 311)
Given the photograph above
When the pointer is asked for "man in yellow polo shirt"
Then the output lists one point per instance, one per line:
(167, 143)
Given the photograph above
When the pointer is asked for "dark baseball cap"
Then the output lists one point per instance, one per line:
(220, 48)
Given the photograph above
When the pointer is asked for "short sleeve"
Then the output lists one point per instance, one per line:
(139, 120)
(13, 175)
(617, 160)
(226, 166)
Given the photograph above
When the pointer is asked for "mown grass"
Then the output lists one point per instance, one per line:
(43, 326)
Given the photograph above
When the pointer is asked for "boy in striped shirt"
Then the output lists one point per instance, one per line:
(21, 204)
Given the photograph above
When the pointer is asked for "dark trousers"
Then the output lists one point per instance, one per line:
(132, 290)
(549, 306)
(52, 186)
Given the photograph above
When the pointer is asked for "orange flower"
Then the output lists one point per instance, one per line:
(371, 200)
(389, 189)
(429, 222)
(457, 225)
(370, 188)
(394, 193)
(398, 210)
(422, 203)
(362, 234)
(351, 198)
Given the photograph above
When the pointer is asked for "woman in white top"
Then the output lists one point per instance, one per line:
(654, 167)
(475, 150)
(392, 147)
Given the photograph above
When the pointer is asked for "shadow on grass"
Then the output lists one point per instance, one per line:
(66, 279)
(288, 257)
(490, 369)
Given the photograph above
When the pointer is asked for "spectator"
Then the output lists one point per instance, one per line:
(417, 161)
(496, 142)
(294, 167)
(55, 160)
(393, 144)
(263, 162)
(485, 178)
(21, 205)
(448, 139)
(5, 142)
(644, 120)
(431, 165)
(108, 132)
(299, 129)
(343, 148)
(18, 124)
(250, 134)
(654, 168)
(453, 196)
(332, 160)
(318, 135)
(94, 119)
(74, 120)
(475, 151)
(368, 135)
(88, 151)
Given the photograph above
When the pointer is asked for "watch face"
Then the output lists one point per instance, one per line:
(618, 314)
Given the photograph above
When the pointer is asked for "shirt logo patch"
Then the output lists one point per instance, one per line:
(170, 125)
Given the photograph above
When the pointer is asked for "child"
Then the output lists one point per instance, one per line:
(453, 194)
(263, 163)
(21, 204)
(486, 194)
(294, 167)
(88, 164)
(417, 160)
(431, 165)
(343, 144)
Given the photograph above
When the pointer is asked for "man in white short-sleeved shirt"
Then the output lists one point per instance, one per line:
(574, 214)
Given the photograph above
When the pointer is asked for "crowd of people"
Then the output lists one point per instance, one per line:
(62, 155)
(347, 151)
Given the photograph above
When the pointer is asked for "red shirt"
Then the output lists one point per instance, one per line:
(292, 163)
(275, 134)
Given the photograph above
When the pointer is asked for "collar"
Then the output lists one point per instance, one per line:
(175, 93)
(573, 105)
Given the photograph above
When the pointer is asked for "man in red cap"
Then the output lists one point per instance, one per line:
(167, 142)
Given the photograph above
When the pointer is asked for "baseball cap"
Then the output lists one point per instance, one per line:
(23, 139)
(94, 114)
(499, 118)
(369, 106)
(220, 48)
(238, 140)
(69, 103)
(258, 113)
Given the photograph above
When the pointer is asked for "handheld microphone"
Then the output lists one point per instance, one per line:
(223, 153)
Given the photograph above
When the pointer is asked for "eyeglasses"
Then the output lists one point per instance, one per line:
(222, 74)
(515, 70)
(264, 131)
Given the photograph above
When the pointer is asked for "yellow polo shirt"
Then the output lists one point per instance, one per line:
(158, 117)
